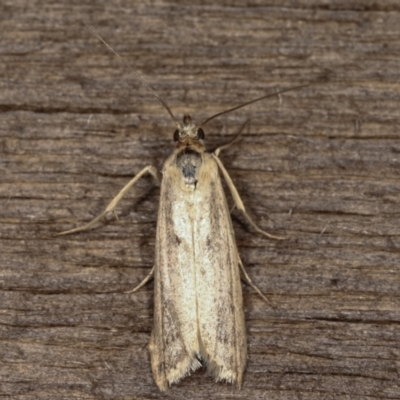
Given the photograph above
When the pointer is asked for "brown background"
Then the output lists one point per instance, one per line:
(319, 165)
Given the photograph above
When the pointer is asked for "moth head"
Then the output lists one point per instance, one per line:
(188, 130)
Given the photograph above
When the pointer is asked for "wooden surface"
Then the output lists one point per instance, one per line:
(319, 165)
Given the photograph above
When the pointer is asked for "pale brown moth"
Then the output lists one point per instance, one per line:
(198, 308)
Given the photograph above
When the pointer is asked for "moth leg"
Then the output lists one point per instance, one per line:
(149, 169)
(250, 282)
(144, 281)
(225, 146)
(239, 203)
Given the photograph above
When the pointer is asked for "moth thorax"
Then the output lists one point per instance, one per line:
(189, 162)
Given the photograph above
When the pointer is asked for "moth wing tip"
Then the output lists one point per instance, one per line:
(183, 369)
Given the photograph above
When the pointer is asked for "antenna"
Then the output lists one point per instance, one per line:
(251, 102)
(137, 75)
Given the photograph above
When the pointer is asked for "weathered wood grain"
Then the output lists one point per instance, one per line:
(319, 165)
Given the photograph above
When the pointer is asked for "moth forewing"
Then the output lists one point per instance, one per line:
(198, 296)
(222, 326)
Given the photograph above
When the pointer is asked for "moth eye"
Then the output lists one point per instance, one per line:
(200, 134)
(176, 135)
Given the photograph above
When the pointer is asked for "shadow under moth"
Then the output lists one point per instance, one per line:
(198, 307)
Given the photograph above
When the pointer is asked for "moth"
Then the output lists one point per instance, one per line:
(198, 306)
